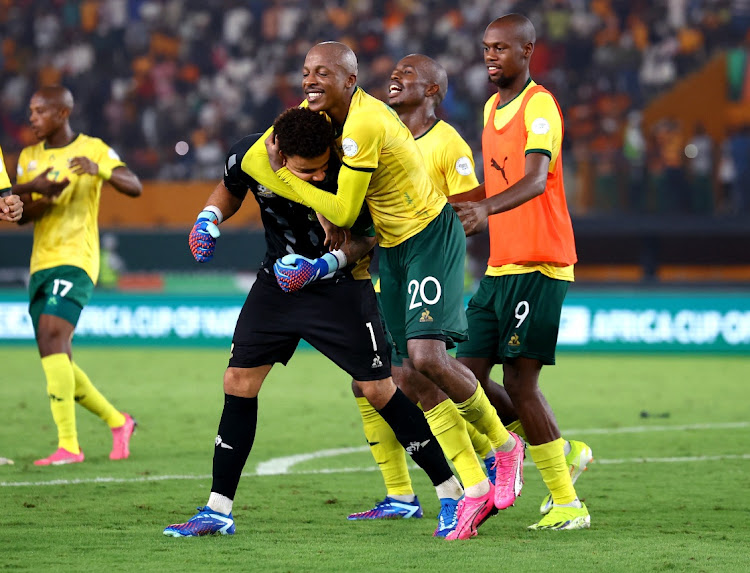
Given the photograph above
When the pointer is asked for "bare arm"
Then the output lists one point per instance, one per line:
(47, 188)
(476, 194)
(222, 198)
(121, 178)
(357, 247)
(532, 184)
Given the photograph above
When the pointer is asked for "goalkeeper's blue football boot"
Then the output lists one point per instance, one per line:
(448, 517)
(390, 508)
(205, 522)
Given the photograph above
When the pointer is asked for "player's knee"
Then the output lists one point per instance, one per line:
(378, 392)
(52, 341)
(242, 382)
(356, 390)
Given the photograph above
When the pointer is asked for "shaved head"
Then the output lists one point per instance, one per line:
(56, 95)
(341, 54)
(432, 72)
(521, 28)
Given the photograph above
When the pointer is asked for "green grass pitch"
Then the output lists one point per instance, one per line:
(665, 493)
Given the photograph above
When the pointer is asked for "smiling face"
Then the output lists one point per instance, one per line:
(408, 83)
(328, 79)
(308, 169)
(506, 53)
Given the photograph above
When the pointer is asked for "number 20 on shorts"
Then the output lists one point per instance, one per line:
(417, 291)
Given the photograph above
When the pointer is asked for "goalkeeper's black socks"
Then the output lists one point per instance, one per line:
(234, 441)
(413, 432)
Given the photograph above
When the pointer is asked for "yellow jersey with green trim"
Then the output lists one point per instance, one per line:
(4, 179)
(68, 232)
(401, 196)
(448, 158)
(547, 140)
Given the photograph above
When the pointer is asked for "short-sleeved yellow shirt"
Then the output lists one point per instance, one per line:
(68, 232)
(4, 179)
(448, 158)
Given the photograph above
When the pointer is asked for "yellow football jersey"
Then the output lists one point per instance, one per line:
(448, 158)
(68, 232)
(401, 197)
(4, 180)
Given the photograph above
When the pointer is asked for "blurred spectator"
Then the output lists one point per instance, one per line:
(700, 153)
(739, 150)
(151, 73)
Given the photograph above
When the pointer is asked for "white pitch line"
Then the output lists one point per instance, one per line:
(686, 459)
(283, 465)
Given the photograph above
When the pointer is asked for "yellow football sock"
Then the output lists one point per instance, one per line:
(517, 429)
(480, 442)
(61, 389)
(90, 398)
(386, 449)
(449, 428)
(550, 459)
(478, 411)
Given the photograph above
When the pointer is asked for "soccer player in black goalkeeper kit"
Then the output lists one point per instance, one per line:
(272, 321)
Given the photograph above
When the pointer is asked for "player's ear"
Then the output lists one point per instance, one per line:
(351, 81)
(431, 90)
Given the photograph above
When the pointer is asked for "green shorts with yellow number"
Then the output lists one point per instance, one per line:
(422, 284)
(60, 291)
(514, 315)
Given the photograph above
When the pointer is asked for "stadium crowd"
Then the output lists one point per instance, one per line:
(149, 74)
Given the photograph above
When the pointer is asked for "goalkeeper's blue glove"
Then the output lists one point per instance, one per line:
(203, 236)
(295, 271)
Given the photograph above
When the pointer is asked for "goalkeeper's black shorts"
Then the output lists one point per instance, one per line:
(338, 318)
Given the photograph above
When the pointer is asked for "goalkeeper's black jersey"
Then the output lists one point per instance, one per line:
(289, 227)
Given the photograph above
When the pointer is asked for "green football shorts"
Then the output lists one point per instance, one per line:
(60, 291)
(514, 315)
(422, 284)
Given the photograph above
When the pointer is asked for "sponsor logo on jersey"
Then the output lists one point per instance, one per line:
(425, 316)
(264, 192)
(377, 362)
(514, 340)
(349, 147)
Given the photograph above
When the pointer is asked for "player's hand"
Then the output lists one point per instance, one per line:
(473, 217)
(83, 166)
(48, 187)
(11, 208)
(274, 154)
(336, 237)
(203, 237)
(293, 272)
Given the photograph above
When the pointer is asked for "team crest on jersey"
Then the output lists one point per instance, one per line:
(264, 192)
(463, 166)
(540, 126)
(349, 147)
(425, 316)
(514, 340)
